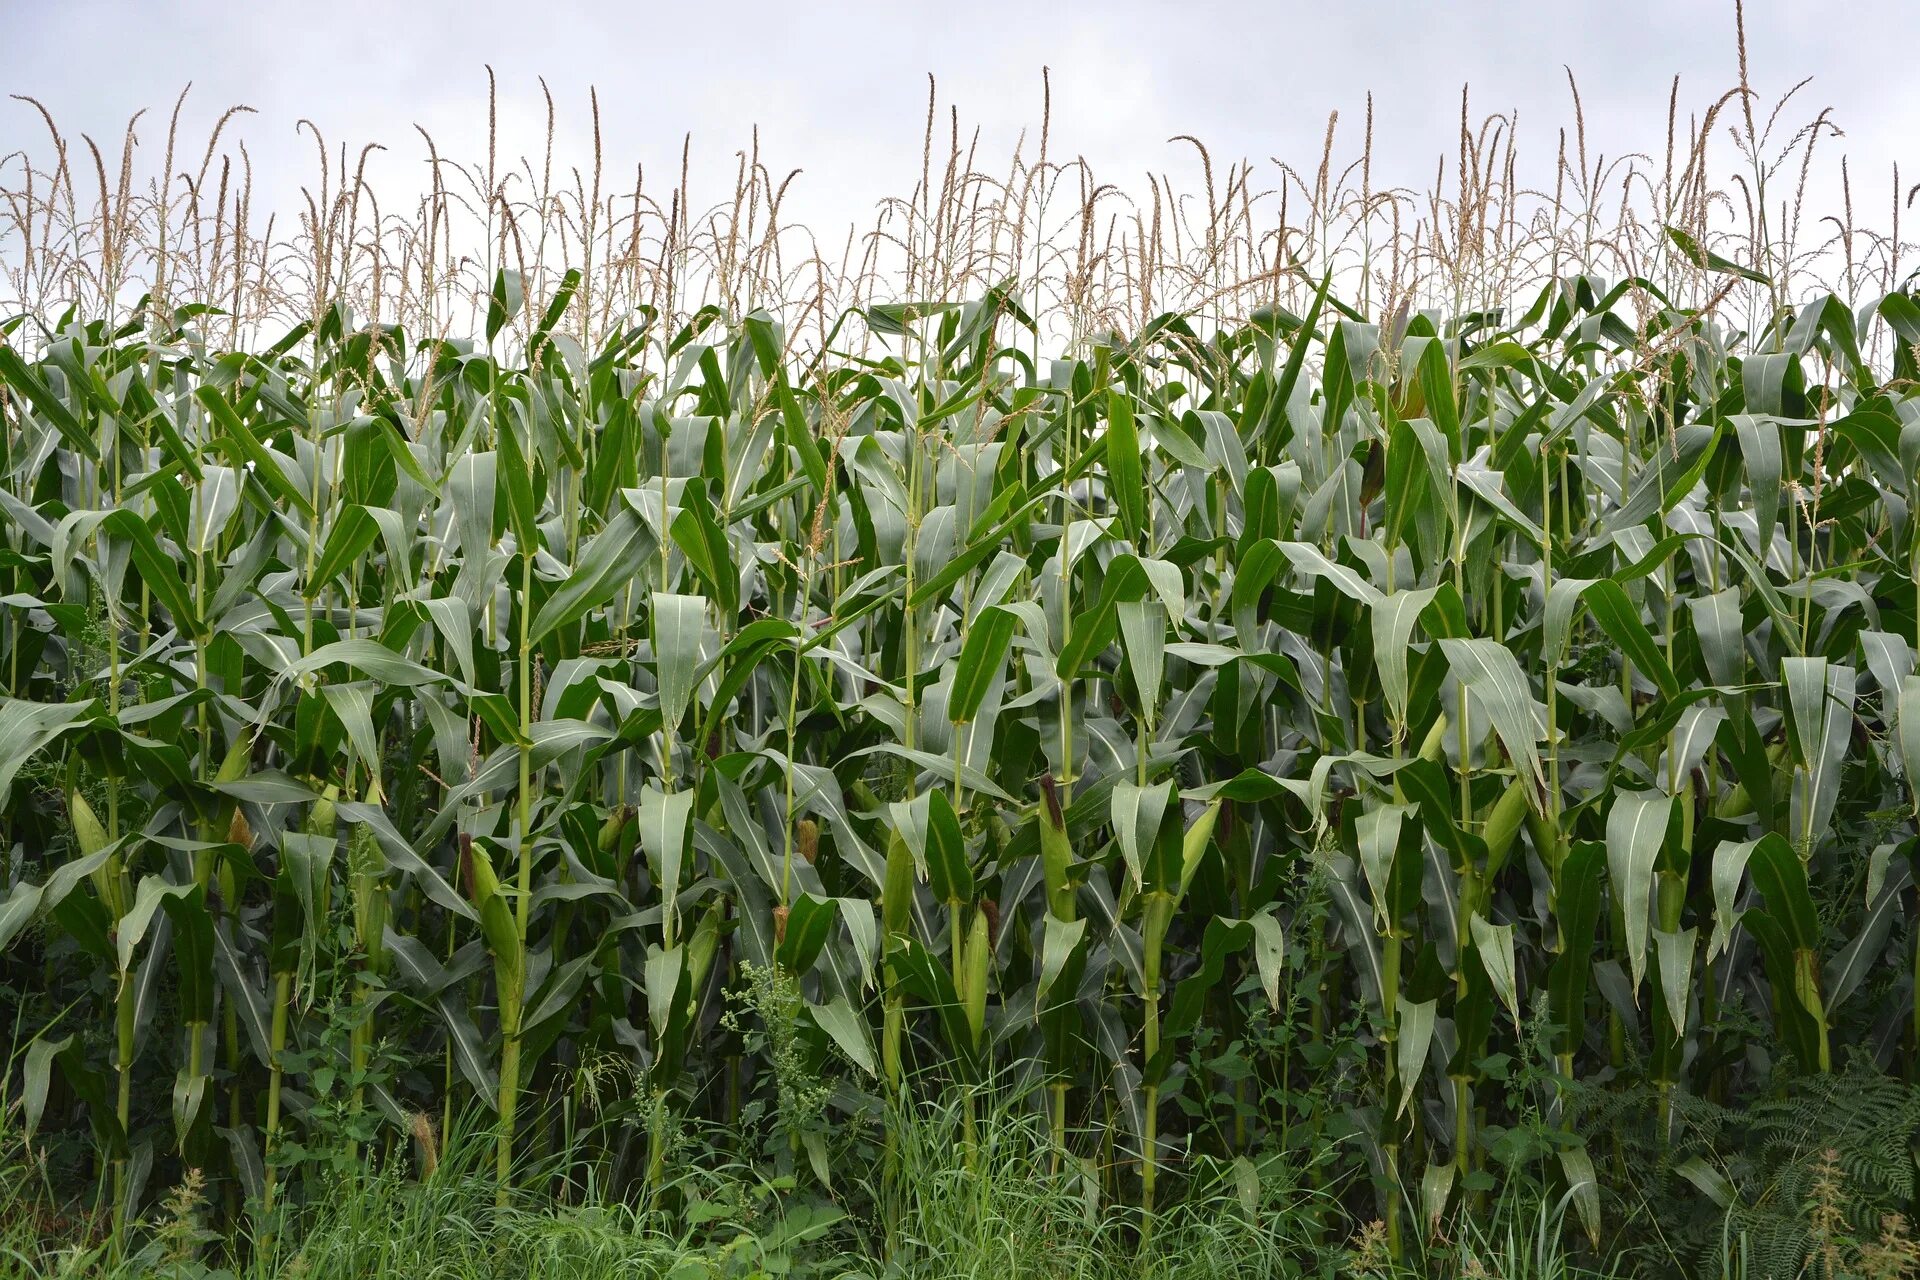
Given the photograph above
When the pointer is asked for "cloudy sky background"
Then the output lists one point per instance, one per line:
(840, 90)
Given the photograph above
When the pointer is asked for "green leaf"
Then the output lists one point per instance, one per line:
(609, 562)
(30, 384)
(1220, 940)
(215, 498)
(679, 623)
(1583, 1186)
(1674, 951)
(665, 969)
(697, 532)
(1143, 636)
(1620, 619)
(948, 871)
(505, 301)
(352, 534)
(192, 952)
(1781, 878)
(1716, 623)
(1494, 942)
(26, 728)
(1576, 913)
(838, 1019)
(980, 663)
(1806, 683)
(1378, 832)
(38, 1076)
(246, 451)
(1308, 559)
(1126, 481)
(1636, 832)
(1760, 444)
(665, 818)
(132, 927)
(1711, 261)
(1666, 477)
(516, 476)
(1490, 673)
(159, 572)
(371, 658)
(1729, 872)
(1060, 943)
(809, 919)
(1394, 617)
(1137, 814)
(1412, 1038)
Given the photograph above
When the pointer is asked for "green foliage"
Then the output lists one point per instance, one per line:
(1519, 710)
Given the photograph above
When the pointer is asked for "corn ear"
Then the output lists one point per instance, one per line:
(1503, 824)
(973, 988)
(109, 878)
(896, 904)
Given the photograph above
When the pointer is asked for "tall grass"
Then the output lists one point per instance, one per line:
(995, 1216)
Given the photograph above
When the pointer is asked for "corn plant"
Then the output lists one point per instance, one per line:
(533, 690)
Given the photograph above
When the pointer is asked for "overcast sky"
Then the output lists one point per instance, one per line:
(840, 90)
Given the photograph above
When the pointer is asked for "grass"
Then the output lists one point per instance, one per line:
(995, 1216)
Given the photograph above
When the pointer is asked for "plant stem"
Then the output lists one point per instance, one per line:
(277, 1044)
(510, 1010)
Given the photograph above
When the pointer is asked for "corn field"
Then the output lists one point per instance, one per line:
(1517, 660)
